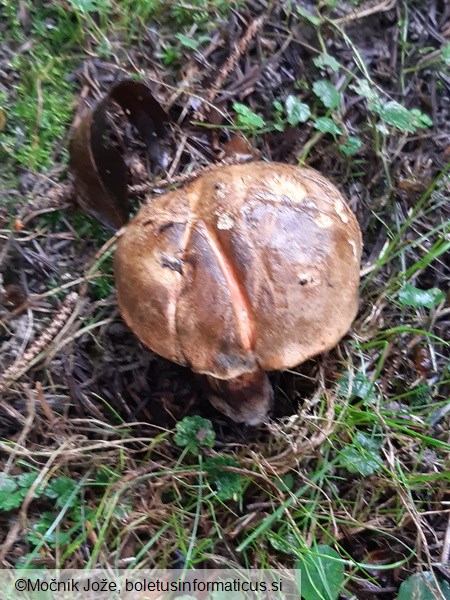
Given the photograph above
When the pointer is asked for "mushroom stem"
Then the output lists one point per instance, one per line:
(245, 399)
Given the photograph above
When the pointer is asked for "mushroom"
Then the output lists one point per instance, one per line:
(250, 268)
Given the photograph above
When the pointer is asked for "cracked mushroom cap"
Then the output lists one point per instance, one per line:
(250, 266)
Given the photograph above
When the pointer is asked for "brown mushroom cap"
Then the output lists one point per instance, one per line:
(250, 266)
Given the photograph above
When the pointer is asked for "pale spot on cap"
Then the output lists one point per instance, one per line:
(340, 209)
(289, 187)
(323, 221)
(353, 245)
(225, 221)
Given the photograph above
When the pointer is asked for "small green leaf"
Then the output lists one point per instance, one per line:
(320, 574)
(297, 112)
(62, 489)
(421, 119)
(287, 482)
(10, 496)
(368, 442)
(26, 480)
(283, 543)
(187, 42)
(365, 89)
(362, 456)
(351, 146)
(193, 433)
(326, 125)
(228, 484)
(308, 16)
(9, 501)
(400, 117)
(326, 91)
(326, 60)
(397, 115)
(361, 388)
(445, 53)
(382, 128)
(278, 106)
(410, 295)
(246, 118)
(422, 586)
(7, 483)
(192, 43)
(40, 528)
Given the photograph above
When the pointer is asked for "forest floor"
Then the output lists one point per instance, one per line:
(101, 461)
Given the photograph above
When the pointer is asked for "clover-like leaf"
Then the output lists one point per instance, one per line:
(365, 89)
(308, 16)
